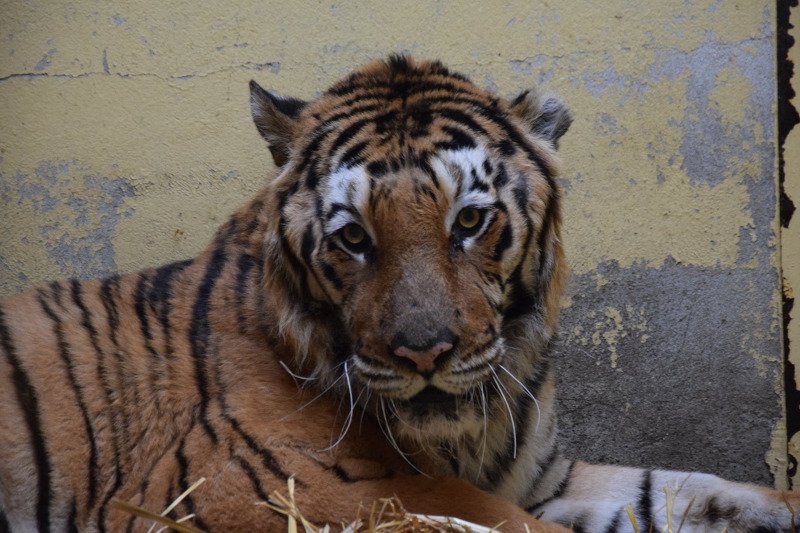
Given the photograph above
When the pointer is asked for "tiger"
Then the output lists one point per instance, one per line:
(376, 321)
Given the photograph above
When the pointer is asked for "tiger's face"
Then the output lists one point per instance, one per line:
(418, 212)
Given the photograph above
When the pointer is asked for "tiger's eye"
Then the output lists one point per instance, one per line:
(353, 234)
(469, 217)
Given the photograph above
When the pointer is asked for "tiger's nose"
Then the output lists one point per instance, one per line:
(423, 354)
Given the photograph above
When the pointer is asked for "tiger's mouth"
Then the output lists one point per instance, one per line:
(433, 404)
(432, 399)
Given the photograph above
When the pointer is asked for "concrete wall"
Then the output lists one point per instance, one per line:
(126, 139)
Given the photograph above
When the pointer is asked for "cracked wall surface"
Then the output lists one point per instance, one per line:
(127, 140)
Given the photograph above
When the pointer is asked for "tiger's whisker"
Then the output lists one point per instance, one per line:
(364, 407)
(297, 376)
(484, 409)
(349, 420)
(314, 399)
(388, 434)
(500, 389)
(527, 391)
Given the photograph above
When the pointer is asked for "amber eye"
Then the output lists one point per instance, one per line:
(354, 238)
(469, 218)
(353, 234)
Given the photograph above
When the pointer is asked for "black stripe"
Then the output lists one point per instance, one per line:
(336, 207)
(103, 512)
(346, 134)
(714, 513)
(520, 193)
(244, 265)
(56, 290)
(26, 396)
(459, 140)
(160, 296)
(541, 244)
(72, 521)
(296, 273)
(252, 476)
(645, 503)
(506, 148)
(5, 527)
(354, 155)
(561, 489)
(545, 466)
(377, 168)
(307, 245)
(108, 288)
(419, 85)
(200, 327)
(501, 178)
(353, 112)
(579, 525)
(183, 469)
(451, 454)
(65, 352)
(169, 499)
(86, 320)
(330, 274)
(615, 523)
(503, 243)
(477, 183)
(521, 300)
(341, 474)
(141, 300)
(460, 117)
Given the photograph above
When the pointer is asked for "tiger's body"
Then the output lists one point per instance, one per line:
(374, 322)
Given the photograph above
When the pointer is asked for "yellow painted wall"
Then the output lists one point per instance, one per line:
(155, 94)
(126, 139)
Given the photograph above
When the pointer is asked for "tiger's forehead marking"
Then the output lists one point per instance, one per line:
(346, 195)
(462, 175)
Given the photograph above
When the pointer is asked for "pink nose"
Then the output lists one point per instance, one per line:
(424, 359)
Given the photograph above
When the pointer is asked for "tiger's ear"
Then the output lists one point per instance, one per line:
(546, 117)
(276, 118)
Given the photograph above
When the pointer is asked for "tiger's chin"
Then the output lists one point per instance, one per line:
(433, 414)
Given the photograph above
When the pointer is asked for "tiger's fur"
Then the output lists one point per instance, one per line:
(282, 350)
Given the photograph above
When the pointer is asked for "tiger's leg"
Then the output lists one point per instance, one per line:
(594, 498)
(326, 491)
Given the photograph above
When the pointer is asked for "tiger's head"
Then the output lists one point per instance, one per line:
(415, 235)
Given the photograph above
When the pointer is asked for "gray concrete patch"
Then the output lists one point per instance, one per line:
(695, 384)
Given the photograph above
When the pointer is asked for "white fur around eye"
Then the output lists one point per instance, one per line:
(465, 160)
(349, 187)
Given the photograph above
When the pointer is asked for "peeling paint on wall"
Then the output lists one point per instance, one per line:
(127, 140)
(789, 81)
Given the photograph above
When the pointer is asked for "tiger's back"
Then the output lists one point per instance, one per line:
(115, 388)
